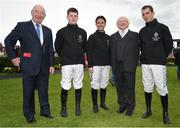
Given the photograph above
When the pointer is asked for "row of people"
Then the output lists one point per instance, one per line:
(120, 50)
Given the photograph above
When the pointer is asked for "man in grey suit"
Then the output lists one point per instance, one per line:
(124, 60)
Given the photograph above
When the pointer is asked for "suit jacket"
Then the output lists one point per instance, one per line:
(34, 56)
(130, 50)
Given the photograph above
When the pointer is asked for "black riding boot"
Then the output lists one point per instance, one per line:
(103, 97)
(94, 99)
(78, 102)
(164, 101)
(148, 97)
(63, 103)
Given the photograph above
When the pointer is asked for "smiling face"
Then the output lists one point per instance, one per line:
(100, 24)
(38, 14)
(147, 15)
(122, 23)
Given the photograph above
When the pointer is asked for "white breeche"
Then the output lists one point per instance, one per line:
(72, 72)
(154, 74)
(100, 77)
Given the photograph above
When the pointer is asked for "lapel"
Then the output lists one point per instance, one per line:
(127, 38)
(32, 30)
(34, 33)
(114, 42)
(44, 34)
(117, 38)
(127, 34)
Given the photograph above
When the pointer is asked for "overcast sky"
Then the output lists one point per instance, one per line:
(13, 11)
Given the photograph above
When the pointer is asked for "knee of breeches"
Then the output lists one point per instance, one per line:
(162, 92)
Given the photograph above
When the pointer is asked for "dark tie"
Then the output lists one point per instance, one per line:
(38, 30)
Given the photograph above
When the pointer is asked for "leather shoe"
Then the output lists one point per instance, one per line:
(166, 119)
(129, 113)
(146, 114)
(95, 108)
(121, 109)
(31, 120)
(47, 116)
(104, 107)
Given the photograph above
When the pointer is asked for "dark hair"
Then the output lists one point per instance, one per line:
(148, 6)
(72, 10)
(100, 17)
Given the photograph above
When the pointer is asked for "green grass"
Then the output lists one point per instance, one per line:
(11, 106)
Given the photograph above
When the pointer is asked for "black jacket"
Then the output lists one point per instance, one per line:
(98, 52)
(70, 45)
(156, 43)
(129, 53)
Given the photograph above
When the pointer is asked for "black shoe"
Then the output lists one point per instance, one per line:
(64, 113)
(146, 114)
(129, 113)
(166, 119)
(104, 107)
(31, 120)
(77, 112)
(95, 109)
(121, 109)
(47, 116)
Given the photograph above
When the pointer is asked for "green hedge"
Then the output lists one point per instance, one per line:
(5, 62)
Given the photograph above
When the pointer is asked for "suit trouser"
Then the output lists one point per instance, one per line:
(29, 82)
(125, 86)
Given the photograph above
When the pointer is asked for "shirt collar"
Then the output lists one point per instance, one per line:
(35, 24)
(125, 30)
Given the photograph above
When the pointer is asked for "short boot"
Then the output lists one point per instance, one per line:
(164, 102)
(63, 112)
(94, 99)
(148, 97)
(78, 102)
(103, 97)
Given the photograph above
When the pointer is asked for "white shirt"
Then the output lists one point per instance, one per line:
(123, 32)
(41, 32)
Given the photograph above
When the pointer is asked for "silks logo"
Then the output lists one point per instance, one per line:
(79, 39)
(108, 43)
(156, 37)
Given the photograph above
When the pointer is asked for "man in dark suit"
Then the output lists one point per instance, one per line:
(124, 56)
(36, 60)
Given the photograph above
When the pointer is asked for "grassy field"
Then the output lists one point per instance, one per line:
(11, 106)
